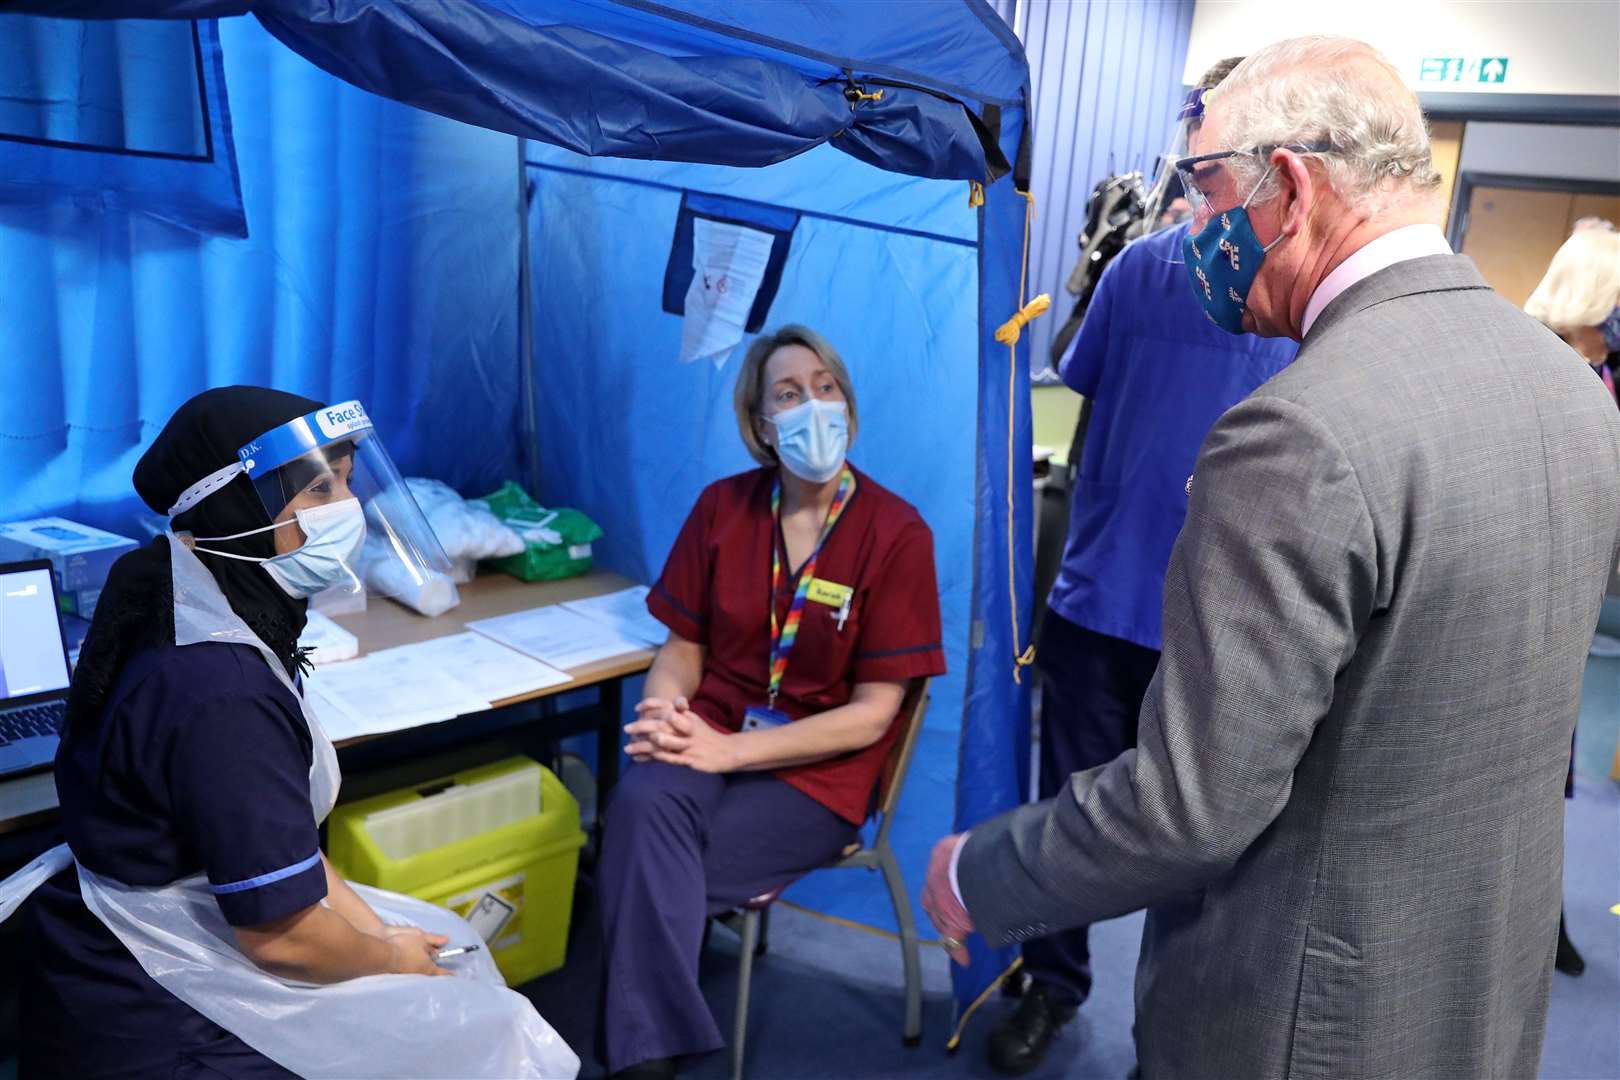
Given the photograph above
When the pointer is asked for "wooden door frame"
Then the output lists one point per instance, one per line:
(1463, 190)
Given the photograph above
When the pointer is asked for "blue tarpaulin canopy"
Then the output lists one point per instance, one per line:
(373, 266)
(911, 87)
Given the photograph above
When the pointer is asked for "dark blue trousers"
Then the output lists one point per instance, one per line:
(678, 847)
(1092, 687)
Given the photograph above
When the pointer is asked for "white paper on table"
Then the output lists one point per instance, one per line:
(487, 669)
(624, 611)
(562, 638)
(329, 643)
(728, 264)
(386, 691)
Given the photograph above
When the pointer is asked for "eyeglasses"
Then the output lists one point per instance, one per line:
(1202, 179)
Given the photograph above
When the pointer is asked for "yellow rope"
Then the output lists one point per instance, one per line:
(961, 1024)
(859, 95)
(1010, 331)
(975, 194)
(1008, 335)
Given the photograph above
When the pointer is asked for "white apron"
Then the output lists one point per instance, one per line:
(466, 1026)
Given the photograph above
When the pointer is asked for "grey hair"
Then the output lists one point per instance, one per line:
(1582, 285)
(1335, 91)
(748, 395)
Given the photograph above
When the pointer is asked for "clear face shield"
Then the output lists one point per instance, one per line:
(1167, 202)
(341, 516)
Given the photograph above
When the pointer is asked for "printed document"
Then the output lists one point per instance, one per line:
(560, 637)
(728, 264)
(624, 611)
(487, 669)
(386, 691)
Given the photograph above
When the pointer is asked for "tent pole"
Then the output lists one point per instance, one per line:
(530, 430)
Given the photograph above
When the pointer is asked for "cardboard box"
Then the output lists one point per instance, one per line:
(81, 602)
(82, 556)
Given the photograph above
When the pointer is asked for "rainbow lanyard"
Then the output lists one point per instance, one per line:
(785, 634)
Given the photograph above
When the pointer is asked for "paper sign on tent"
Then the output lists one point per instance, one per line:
(728, 264)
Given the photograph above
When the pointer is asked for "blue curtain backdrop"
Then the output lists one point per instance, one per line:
(381, 263)
(909, 282)
(885, 266)
(124, 116)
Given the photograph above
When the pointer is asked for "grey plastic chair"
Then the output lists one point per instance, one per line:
(748, 920)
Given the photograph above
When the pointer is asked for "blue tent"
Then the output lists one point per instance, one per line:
(845, 128)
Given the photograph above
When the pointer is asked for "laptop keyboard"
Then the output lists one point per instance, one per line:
(32, 721)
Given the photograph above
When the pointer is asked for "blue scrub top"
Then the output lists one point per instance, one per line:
(199, 763)
(1159, 374)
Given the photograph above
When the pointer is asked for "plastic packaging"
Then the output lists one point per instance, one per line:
(466, 530)
(557, 543)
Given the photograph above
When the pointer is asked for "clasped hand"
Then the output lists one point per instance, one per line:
(669, 731)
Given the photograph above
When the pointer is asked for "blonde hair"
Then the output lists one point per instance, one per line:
(1582, 284)
(748, 396)
(1335, 91)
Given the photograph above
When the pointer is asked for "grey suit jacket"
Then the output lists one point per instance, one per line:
(1345, 809)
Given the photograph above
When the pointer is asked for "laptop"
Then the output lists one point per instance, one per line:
(34, 673)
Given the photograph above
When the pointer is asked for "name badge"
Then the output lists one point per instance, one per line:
(828, 592)
(759, 717)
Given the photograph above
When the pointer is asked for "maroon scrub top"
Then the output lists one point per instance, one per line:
(714, 591)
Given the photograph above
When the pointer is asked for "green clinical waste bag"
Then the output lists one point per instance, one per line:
(556, 543)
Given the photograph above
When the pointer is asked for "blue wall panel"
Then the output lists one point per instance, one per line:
(1106, 79)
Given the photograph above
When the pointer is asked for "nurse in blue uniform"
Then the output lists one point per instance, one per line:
(178, 759)
(191, 775)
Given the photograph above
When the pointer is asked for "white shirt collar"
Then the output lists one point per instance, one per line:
(1407, 242)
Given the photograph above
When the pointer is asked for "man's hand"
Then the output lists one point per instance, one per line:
(946, 912)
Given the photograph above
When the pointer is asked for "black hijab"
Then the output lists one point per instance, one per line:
(136, 608)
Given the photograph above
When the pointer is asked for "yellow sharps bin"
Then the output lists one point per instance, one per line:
(498, 845)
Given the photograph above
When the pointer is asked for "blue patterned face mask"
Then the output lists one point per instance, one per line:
(1611, 331)
(1222, 262)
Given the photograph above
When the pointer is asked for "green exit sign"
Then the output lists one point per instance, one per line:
(1463, 69)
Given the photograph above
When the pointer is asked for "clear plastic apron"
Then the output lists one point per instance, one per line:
(467, 1026)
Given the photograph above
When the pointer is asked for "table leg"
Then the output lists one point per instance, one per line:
(608, 741)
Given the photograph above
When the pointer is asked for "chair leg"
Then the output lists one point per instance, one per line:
(764, 932)
(745, 971)
(908, 943)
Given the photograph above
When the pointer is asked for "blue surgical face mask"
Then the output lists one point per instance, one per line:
(811, 439)
(1222, 262)
(333, 534)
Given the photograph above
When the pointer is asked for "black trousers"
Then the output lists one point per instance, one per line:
(1092, 687)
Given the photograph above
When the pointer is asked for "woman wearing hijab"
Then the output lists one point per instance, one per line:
(192, 776)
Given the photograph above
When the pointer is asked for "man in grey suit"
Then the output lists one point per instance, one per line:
(1345, 809)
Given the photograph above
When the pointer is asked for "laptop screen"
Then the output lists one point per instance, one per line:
(31, 656)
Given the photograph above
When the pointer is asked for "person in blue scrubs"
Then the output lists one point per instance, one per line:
(1158, 374)
(179, 760)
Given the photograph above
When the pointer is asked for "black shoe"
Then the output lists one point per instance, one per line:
(656, 1069)
(1566, 959)
(1021, 1041)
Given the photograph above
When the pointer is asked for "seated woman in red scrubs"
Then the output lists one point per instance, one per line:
(800, 599)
